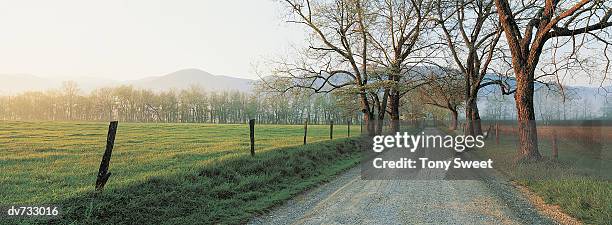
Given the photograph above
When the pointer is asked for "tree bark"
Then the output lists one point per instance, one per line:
(473, 125)
(454, 116)
(527, 131)
(379, 125)
(382, 110)
(394, 102)
(476, 119)
(524, 61)
(369, 123)
(469, 125)
(394, 97)
(367, 114)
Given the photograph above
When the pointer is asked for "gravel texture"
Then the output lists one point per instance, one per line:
(351, 200)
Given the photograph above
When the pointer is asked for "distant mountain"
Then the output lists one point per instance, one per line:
(17, 83)
(580, 101)
(182, 79)
(187, 78)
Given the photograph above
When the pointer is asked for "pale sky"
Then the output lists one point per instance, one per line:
(131, 39)
(125, 40)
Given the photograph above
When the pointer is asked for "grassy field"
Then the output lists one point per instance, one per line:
(578, 181)
(189, 173)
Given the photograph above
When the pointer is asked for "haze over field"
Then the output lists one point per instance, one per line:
(220, 112)
(582, 102)
(181, 79)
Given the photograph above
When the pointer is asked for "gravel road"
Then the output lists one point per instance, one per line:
(351, 200)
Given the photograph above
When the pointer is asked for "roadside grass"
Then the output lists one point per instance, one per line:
(229, 190)
(165, 173)
(578, 181)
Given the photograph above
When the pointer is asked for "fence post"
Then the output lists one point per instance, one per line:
(555, 148)
(361, 126)
(496, 133)
(331, 129)
(305, 130)
(103, 173)
(252, 135)
(348, 129)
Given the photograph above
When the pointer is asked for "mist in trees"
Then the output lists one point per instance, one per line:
(378, 60)
(551, 105)
(373, 45)
(193, 105)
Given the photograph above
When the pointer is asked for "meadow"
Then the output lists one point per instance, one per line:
(198, 173)
(578, 180)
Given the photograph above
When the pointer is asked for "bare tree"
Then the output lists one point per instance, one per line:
(528, 26)
(442, 91)
(372, 43)
(338, 51)
(472, 34)
(70, 90)
(398, 46)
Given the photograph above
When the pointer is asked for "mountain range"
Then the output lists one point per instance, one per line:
(186, 78)
(182, 79)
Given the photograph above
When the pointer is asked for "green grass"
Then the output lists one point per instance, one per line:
(578, 181)
(174, 173)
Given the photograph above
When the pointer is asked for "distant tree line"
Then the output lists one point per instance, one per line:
(550, 106)
(194, 105)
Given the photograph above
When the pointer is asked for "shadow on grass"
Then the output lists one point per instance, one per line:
(578, 180)
(228, 190)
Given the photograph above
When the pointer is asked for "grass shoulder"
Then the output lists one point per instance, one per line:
(228, 190)
(577, 181)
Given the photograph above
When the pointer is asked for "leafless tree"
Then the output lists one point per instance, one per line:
(365, 47)
(337, 55)
(530, 27)
(472, 34)
(397, 36)
(442, 90)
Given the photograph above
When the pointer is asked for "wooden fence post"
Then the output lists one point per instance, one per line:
(348, 128)
(103, 173)
(496, 133)
(555, 148)
(331, 129)
(252, 135)
(305, 130)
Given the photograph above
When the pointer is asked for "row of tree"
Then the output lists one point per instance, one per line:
(551, 106)
(376, 50)
(383, 60)
(193, 105)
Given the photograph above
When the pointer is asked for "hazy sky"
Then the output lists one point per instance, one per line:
(125, 40)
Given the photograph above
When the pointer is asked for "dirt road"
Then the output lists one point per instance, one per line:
(351, 200)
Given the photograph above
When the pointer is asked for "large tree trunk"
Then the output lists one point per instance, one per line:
(394, 102)
(527, 131)
(379, 126)
(382, 110)
(472, 117)
(469, 125)
(381, 118)
(394, 98)
(476, 119)
(368, 115)
(369, 124)
(454, 115)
